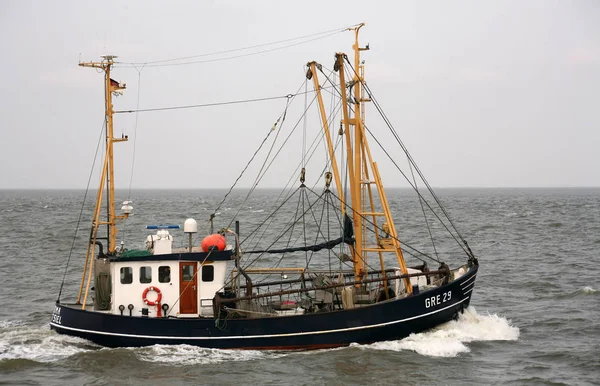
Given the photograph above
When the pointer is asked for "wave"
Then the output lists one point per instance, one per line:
(448, 340)
(587, 290)
(583, 291)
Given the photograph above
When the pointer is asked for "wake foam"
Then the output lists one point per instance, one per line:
(5, 324)
(38, 344)
(448, 339)
(185, 355)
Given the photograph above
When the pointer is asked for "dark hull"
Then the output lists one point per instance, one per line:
(389, 320)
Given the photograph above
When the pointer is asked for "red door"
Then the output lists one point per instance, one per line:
(188, 288)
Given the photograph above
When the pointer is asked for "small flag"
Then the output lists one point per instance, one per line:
(115, 86)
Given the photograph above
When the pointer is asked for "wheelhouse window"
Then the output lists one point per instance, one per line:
(187, 273)
(145, 274)
(126, 275)
(164, 274)
(208, 273)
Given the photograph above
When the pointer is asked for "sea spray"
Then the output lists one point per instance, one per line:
(448, 340)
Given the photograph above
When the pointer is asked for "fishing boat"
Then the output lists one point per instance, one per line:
(338, 271)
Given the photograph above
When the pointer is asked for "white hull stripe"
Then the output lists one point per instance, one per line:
(466, 292)
(468, 280)
(468, 285)
(255, 336)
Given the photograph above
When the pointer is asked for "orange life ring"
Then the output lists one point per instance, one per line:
(158, 297)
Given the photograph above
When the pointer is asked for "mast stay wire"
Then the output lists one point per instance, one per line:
(313, 146)
(412, 161)
(81, 210)
(303, 117)
(418, 193)
(407, 246)
(312, 149)
(304, 123)
(135, 126)
(310, 210)
(248, 164)
(137, 106)
(421, 198)
(210, 104)
(234, 56)
(164, 62)
(424, 214)
(414, 188)
(368, 220)
(290, 98)
(288, 183)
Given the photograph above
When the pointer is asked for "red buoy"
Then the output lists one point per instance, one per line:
(216, 241)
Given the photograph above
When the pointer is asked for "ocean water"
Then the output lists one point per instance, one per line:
(534, 317)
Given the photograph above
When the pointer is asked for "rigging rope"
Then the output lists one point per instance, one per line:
(304, 123)
(263, 222)
(234, 56)
(424, 214)
(137, 106)
(103, 290)
(418, 193)
(319, 224)
(328, 244)
(302, 196)
(242, 173)
(210, 104)
(81, 210)
(365, 218)
(294, 175)
(312, 149)
(282, 117)
(164, 63)
(396, 136)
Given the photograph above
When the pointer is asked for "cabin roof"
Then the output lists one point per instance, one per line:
(187, 256)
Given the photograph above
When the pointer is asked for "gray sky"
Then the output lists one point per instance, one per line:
(484, 94)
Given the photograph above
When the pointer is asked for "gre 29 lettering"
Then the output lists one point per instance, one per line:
(438, 299)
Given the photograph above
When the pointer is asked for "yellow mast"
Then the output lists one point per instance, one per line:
(334, 167)
(107, 177)
(359, 162)
(356, 180)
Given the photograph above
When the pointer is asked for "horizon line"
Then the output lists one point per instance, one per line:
(270, 188)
